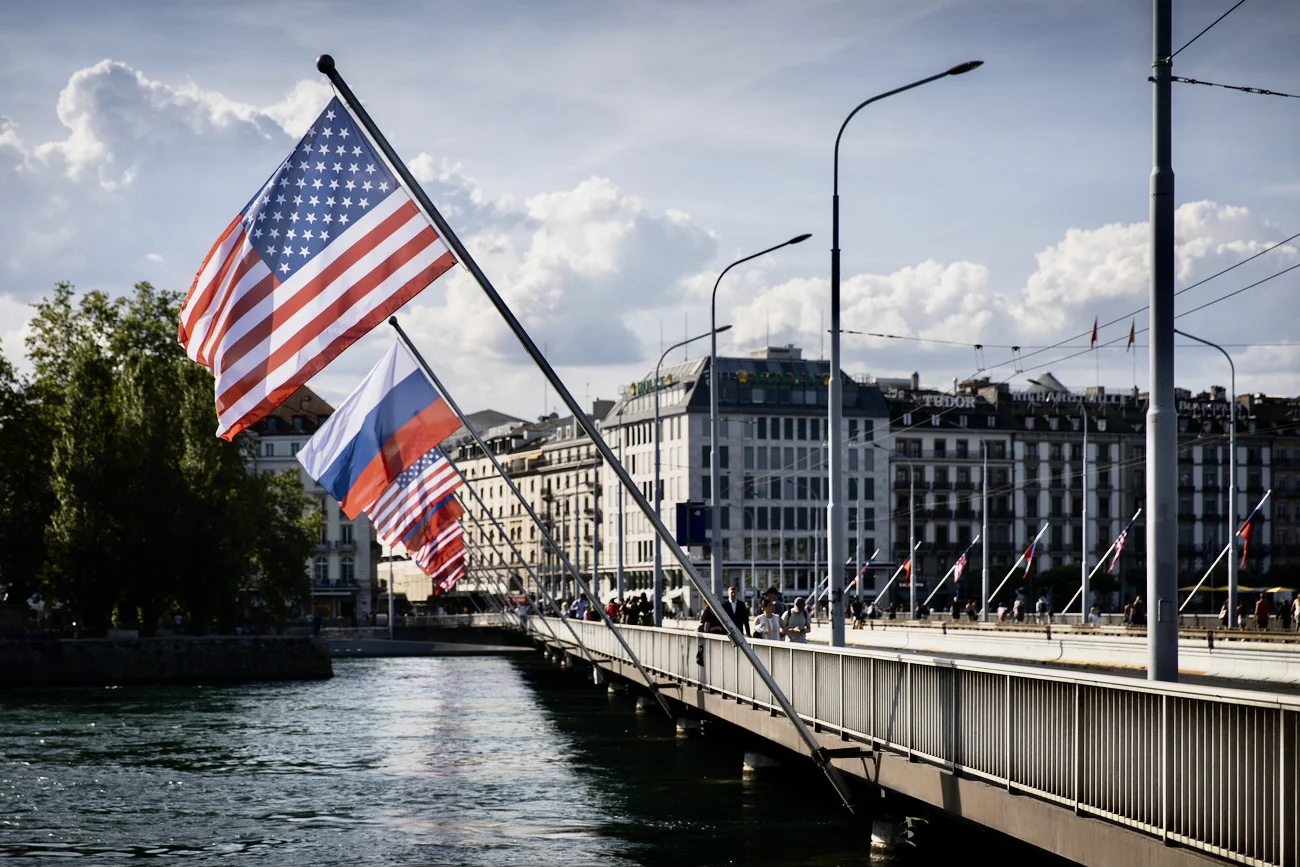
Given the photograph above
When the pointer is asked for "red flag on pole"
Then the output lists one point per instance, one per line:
(1244, 533)
(1093, 345)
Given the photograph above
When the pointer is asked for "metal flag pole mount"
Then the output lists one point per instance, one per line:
(1019, 560)
(326, 65)
(580, 585)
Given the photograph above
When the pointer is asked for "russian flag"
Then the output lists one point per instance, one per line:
(394, 417)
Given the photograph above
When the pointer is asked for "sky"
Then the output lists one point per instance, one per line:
(605, 162)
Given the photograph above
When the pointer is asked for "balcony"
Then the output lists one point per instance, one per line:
(345, 545)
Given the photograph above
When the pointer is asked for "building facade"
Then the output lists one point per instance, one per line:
(772, 462)
(343, 566)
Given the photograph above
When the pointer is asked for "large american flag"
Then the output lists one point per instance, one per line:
(326, 250)
(450, 581)
(959, 567)
(411, 496)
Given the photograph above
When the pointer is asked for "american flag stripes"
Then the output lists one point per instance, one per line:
(324, 252)
(1119, 546)
(411, 496)
(959, 567)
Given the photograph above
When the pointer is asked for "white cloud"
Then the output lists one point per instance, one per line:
(1091, 268)
(112, 112)
(154, 257)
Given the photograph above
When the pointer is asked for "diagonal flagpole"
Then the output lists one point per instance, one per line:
(1100, 563)
(1019, 560)
(897, 572)
(541, 588)
(861, 572)
(819, 754)
(1226, 548)
(578, 580)
(951, 569)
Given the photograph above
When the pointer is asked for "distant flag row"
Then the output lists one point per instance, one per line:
(327, 249)
(1132, 335)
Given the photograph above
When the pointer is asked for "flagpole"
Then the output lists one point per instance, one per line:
(1231, 546)
(506, 536)
(894, 577)
(1019, 560)
(857, 582)
(1100, 562)
(818, 753)
(391, 631)
(951, 569)
(568, 564)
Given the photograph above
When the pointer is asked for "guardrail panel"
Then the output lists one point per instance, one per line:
(1234, 755)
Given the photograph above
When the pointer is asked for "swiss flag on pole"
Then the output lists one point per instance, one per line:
(1244, 533)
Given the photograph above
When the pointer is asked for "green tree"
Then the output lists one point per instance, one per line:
(150, 512)
(25, 497)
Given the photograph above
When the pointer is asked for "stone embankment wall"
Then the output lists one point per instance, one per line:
(178, 659)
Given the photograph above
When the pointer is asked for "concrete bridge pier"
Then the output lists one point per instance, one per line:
(687, 726)
(645, 704)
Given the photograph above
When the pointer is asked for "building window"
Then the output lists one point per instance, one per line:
(963, 449)
(321, 570)
(940, 447)
(789, 429)
(345, 533)
(347, 570)
(268, 450)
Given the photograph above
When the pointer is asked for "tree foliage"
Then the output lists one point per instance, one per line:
(116, 498)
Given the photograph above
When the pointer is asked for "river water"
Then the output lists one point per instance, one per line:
(483, 760)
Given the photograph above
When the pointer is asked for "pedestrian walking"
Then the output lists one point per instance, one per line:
(1263, 610)
(767, 625)
(795, 622)
(737, 610)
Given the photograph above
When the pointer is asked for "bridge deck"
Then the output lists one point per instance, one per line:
(1097, 768)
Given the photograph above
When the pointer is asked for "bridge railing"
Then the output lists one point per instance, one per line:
(1211, 769)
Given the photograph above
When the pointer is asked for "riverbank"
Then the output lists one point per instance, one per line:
(174, 659)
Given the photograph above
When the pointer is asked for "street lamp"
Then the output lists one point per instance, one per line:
(715, 525)
(659, 567)
(1232, 479)
(835, 400)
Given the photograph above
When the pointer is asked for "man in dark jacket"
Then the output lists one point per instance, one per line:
(737, 610)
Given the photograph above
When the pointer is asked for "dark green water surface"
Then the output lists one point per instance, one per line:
(405, 761)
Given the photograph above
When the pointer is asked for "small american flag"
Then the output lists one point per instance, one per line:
(450, 581)
(412, 496)
(1119, 546)
(959, 567)
(325, 251)
(440, 549)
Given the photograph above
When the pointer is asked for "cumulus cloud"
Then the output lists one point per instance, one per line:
(1090, 268)
(576, 266)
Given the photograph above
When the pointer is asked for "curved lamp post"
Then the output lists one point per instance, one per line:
(715, 516)
(1232, 480)
(835, 400)
(658, 492)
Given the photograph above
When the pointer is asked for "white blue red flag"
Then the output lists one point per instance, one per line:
(326, 250)
(394, 418)
(959, 567)
(1029, 558)
(418, 491)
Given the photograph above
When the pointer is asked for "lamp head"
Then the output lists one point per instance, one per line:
(325, 64)
(799, 239)
(722, 329)
(962, 68)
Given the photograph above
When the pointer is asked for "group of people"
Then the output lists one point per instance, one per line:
(1287, 613)
(635, 610)
(773, 622)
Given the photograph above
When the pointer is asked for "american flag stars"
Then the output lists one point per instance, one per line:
(301, 201)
